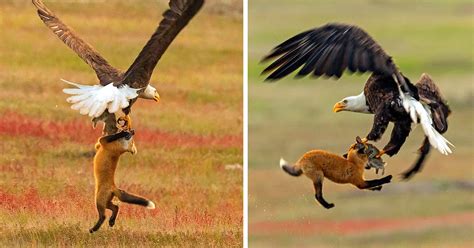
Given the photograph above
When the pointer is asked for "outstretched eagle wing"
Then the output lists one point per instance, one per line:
(174, 20)
(329, 50)
(105, 72)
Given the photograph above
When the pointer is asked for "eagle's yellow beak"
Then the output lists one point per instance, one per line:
(156, 97)
(338, 107)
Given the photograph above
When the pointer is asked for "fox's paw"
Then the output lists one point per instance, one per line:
(378, 188)
(329, 206)
(111, 223)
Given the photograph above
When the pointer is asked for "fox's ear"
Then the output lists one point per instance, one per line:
(358, 140)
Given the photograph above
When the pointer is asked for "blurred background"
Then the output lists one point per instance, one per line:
(290, 117)
(189, 145)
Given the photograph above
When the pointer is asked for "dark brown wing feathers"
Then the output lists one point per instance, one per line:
(428, 90)
(105, 72)
(174, 20)
(431, 95)
(329, 50)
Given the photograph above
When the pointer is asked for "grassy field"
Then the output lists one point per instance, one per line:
(184, 142)
(288, 118)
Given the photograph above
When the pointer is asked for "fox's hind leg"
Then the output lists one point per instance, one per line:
(101, 211)
(318, 189)
(115, 210)
(102, 199)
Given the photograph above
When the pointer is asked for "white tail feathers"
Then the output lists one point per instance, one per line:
(93, 100)
(283, 162)
(150, 205)
(419, 112)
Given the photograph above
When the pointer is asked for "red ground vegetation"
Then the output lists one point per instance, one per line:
(308, 227)
(31, 201)
(80, 131)
(74, 202)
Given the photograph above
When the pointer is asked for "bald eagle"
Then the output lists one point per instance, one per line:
(119, 90)
(332, 48)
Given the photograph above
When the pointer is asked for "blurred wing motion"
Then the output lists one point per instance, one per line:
(174, 20)
(105, 72)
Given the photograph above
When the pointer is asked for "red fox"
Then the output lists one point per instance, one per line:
(318, 164)
(109, 149)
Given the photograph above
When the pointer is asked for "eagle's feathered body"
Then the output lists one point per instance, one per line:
(331, 49)
(384, 101)
(379, 90)
(116, 89)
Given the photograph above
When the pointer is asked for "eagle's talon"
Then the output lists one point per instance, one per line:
(94, 123)
(382, 152)
(124, 122)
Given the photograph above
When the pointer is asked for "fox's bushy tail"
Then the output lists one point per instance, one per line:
(133, 199)
(290, 169)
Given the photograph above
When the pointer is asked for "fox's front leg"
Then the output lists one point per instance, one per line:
(318, 189)
(114, 208)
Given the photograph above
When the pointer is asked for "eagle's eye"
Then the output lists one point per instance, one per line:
(345, 101)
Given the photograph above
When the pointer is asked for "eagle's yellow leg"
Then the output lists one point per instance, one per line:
(382, 152)
(364, 140)
(125, 122)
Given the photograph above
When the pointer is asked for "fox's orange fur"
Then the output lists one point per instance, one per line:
(318, 164)
(108, 151)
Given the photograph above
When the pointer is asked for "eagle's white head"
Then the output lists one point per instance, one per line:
(353, 104)
(151, 93)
